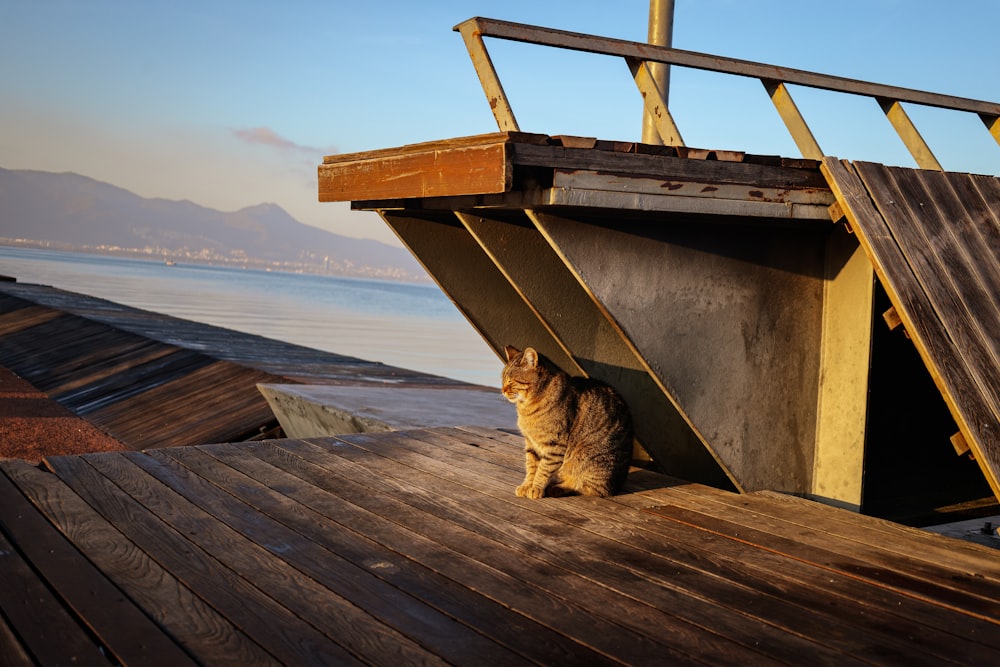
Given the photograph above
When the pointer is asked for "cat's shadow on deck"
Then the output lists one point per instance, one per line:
(644, 477)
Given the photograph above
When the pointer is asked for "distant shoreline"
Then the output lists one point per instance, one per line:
(168, 256)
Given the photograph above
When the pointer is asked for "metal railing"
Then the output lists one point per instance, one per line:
(639, 55)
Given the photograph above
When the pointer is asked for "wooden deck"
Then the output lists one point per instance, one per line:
(410, 547)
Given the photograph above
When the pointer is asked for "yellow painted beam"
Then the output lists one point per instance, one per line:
(992, 124)
(655, 103)
(908, 132)
(793, 119)
(845, 358)
(488, 77)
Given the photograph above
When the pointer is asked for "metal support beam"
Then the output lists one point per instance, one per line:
(992, 124)
(488, 77)
(654, 99)
(650, 55)
(793, 119)
(845, 358)
(466, 274)
(565, 39)
(908, 132)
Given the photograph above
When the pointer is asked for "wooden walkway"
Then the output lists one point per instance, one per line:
(126, 378)
(410, 547)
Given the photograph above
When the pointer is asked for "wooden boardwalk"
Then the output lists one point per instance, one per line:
(410, 547)
(118, 377)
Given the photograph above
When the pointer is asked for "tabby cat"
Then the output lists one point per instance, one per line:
(577, 431)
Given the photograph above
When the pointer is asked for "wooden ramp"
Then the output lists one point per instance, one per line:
(934, 240)
(140, 391)
(118, 377)
(410, 547)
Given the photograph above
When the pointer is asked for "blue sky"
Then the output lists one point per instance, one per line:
(230, 104)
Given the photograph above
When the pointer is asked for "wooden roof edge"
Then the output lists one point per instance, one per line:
(487, 164)
(575, 142)
(437, 145)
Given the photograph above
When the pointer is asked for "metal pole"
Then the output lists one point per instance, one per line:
(661, 29)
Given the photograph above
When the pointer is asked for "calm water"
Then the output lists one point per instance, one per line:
(405, 325)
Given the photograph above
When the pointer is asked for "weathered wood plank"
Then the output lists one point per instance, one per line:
(348, 631)
(19, 319)
(958, 557)
(967, 315)
(209, 637)
(666, 167)
(49, 631)
(486, 165)
(892, 614)
(614, 563)
(944, 362)
(955, 558)
(440, 145)
(976, 225)
(172, 413)
(12, 652)
(349, 529)
(989, 189)
(413, 620)
(270, 624)
(925, 581)
(124, 355)
(546, 594)
(123, 628)
(748, 192)
(924, 219)
(421, 530)
(670, 203)
(467, 170)
(962, 555)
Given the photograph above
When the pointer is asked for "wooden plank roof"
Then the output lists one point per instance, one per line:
(934, 240)
(412, 547)
(536, 171)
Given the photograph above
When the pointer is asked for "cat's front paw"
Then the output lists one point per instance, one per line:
(529, 491)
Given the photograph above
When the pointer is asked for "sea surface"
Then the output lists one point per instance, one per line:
(412, 326)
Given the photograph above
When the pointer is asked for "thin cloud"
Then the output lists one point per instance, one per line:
(265, 136)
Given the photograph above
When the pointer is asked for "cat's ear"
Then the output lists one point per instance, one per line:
(512, 352)
(530, 357)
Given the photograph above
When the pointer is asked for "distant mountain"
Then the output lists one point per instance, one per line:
(76, 212)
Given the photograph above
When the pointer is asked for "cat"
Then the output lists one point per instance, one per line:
(577, 431)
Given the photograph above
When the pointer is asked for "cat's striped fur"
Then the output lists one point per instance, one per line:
(577, 431)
